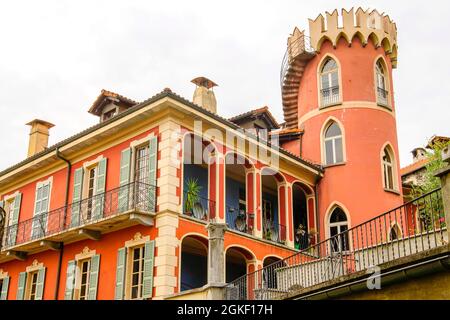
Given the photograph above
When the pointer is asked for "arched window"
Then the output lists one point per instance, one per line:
(333, 144)
(382, 92)
(338, 231)
(388, 170)
(329, 83)
(395, 233)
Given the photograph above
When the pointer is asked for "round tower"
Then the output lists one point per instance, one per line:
(337, 88)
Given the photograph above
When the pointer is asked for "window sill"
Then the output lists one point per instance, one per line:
(392, 191)
(325, 166)
(385, 106)
(339, 103)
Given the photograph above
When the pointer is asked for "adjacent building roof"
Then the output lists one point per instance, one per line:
(416, 166)
(164, 94)
(257, 113)
(106, 97)
(437, 139)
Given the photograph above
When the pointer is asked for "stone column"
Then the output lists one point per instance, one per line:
(444, 175)
(216, 254)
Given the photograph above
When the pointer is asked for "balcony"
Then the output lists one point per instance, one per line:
(330, 96)
(239, 220)
(274, 232)
(198, 207)
(118, 208)
(411, 230)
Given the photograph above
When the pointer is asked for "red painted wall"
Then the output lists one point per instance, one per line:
(358, 184)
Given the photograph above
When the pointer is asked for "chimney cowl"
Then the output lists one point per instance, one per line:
(204, 95)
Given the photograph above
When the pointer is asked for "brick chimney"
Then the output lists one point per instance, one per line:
(204, 95)
(39, 134)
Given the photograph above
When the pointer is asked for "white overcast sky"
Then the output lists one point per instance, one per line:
(56, 56)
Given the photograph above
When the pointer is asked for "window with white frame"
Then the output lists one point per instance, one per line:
(382, 92)
(32, 280)
(388, 169)
(82, 276)
(333, 144)
(136, 265)
(338, 225)
(329, 83)
(11, 205)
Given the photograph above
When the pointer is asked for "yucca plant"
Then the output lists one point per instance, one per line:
(192, 194)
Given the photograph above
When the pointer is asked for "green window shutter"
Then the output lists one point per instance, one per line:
(21, 286)
(5, 286)
(12, 229)
(147, 283)
(77, 189)
(125, 160)
(120, 274)
(93, 277)
(100, 186)
(40, 284)
(153, 166)
(70, 280)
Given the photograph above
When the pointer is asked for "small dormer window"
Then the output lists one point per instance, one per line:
(109, 114)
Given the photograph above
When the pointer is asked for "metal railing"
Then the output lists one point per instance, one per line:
(198, 207)
(135, 196)
(274, 232)
(240, 220)
(329, 96)
(414, 227)
(382, 96)
(299, 46)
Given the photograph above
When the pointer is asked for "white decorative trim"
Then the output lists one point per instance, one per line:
(41, 183)
(137, 240)
(10, 196)
(3, 274)
(35, 266)
(85, 254)
(92, 163)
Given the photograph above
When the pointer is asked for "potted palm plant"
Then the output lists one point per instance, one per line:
(192, 195)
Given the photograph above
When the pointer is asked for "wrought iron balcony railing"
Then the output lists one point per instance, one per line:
(240, 220)
(274, 232)
(329, 96)
(412, 228)
(137, 196)
(382, 96)
(198, 207)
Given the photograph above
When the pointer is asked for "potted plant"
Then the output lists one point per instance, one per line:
(192, 195)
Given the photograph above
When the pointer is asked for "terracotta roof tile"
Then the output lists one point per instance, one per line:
(413, 167)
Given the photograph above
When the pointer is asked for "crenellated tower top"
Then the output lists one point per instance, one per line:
(366, 25)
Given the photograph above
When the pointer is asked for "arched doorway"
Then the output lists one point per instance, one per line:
(239, 214)
(300, 217)
(194, 263)
(272, 197)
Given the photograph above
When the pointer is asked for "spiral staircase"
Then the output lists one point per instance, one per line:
(299, 52)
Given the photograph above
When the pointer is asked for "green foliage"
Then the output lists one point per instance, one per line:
(435, 163)
(431, 208)
(192, 194)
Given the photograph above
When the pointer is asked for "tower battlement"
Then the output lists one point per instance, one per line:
(364, 24)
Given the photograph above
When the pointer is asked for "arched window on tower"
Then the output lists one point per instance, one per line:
(333, 144)
(388, 169)
(338, 231)
(329, 83)
(382, 92)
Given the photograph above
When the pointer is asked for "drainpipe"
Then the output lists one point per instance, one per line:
(66, 203)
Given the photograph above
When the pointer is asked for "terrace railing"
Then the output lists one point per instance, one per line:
(198, 207)
(382, 95)
(240, 220)
(274, 232)
(414, 227)
(136, 196)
